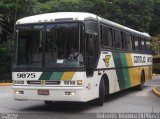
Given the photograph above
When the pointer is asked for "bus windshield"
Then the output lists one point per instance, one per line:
(58, 45)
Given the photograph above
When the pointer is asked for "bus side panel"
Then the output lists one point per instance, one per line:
(127, 68)
(148, 73)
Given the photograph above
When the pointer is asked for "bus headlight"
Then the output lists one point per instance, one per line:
(18, 82)
(70, 93)
(79, 82)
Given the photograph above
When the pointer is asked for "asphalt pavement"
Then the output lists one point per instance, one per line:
(127, 101)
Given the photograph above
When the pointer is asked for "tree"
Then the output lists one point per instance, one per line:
(10, 11)
(93, 6)
(0, 24)
(156, 45)
(155, 23)
(136, 14)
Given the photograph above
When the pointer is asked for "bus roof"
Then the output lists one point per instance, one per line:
(50, 17)
(116, 25)
(62, 16)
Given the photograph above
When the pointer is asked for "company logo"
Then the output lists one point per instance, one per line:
(106, 60)
(42, 82)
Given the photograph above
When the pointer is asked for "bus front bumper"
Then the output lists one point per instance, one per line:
(55, 93)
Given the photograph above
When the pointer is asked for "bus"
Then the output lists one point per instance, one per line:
(113, 58)
(156, 64)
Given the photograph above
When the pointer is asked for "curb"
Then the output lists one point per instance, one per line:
(155, 91)
(6, 84)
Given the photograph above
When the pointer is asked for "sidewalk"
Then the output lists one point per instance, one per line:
(5, 84)
(156, 91)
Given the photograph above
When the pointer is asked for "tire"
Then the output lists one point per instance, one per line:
(141, 86)
(99, 101)
(47, 102)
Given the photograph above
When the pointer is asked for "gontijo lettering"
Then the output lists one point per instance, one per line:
(139, 59)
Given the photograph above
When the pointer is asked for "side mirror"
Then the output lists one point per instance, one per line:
(89, 66)
(89, 54)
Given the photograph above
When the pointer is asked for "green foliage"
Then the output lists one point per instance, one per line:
(142, 15)
(136, 14)
(0, 24)
(5, 60)
(156, 45)
(93, 6)
(155, 24)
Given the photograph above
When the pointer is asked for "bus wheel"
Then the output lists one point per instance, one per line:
(99, 101)
(47, 102)
(141, 86)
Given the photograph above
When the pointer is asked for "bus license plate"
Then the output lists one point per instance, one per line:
(43, 92)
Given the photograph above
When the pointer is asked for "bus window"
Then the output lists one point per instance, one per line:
(148, 46)
(136, 43)
(142, 44)
(118, 39)
(106, 36)
(30, 46)
(63, 40)
(128, 41)
(122, 39)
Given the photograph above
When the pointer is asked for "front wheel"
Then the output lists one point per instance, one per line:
(99, 101)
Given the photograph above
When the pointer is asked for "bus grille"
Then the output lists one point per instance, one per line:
(43, 83)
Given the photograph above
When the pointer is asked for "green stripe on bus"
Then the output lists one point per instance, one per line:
(51, 76)
(125, 70)
(119, 70)
(56, 76)
(127, 77)
(45, 76)
(122, 73)
(123, 60)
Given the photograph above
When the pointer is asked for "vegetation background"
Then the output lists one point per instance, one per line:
(142, 15)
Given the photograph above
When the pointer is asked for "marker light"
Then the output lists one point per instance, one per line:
(69, 82)
(18, 82)
(79, 82)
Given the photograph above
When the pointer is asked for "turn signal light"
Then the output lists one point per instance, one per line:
(79, 82)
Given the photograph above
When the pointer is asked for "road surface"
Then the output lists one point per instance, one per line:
(128, 101)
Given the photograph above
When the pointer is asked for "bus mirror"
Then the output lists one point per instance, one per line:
(89, 61)
(89, 66)
(89, 72)
(89, 54)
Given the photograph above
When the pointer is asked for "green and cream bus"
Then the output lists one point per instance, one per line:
(113, 58)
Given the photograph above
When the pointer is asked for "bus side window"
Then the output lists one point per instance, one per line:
(148, 46)
(142, 44)
(106, 36)
(129, 41)
(118, 39)
(136, 43)
(122, 40)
